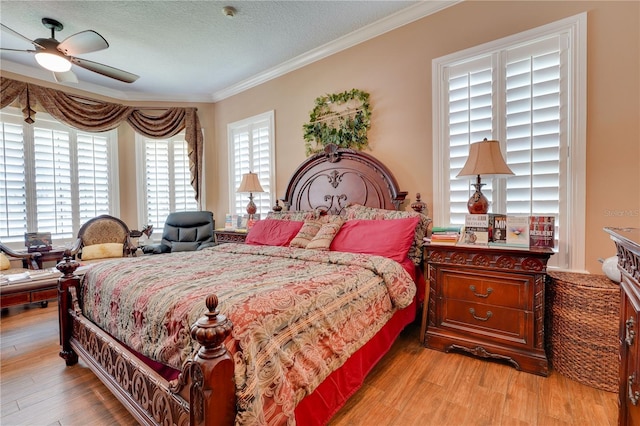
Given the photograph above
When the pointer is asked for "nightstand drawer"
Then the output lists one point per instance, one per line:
(481, 319)
(486, 288)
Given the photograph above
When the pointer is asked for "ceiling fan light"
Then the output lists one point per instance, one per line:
(52, 62)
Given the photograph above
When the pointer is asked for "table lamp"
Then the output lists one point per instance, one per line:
(250, 184)
(485, 159)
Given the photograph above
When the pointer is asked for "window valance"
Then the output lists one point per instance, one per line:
(98, 116)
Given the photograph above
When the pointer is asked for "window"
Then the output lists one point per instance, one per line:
(164, 179)
(251, 149)
(528, 91)
(53, 178)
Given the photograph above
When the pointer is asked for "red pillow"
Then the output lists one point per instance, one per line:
(269, 232)
(391, 238)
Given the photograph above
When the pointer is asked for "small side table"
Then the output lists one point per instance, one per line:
(54, 255)
(230, 236)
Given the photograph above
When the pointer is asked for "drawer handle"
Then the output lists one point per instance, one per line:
(473, 290)
(630, 333)
(473, 314)
(633, 396)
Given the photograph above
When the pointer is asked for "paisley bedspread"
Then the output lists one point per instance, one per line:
(297, 314)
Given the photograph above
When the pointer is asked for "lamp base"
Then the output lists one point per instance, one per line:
(478, 203)
(251, 207)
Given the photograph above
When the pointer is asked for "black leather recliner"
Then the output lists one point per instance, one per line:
(185, 231)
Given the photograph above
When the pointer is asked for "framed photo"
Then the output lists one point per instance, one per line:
(242, 221)
(37, 241)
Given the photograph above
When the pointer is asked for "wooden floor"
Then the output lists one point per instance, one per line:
(410, 386)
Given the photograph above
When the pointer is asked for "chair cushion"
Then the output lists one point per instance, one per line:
(102, 251)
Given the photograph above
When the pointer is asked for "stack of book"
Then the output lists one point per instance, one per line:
(445, 235)
(521, 231)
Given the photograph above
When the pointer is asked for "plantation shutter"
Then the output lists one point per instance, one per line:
(185, 196)
(93, 176)
(242, 165)
(251, 143)
(53, 178)
(470, 120)
(52, 172)
(533, 113)
(167, 179)
(157, 181)
(530, 99)
(13, 197)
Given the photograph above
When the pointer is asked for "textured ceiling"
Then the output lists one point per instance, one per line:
(189, 50)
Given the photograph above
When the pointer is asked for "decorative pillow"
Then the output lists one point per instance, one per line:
(102, 251)
(269, 232)
(4, 262)
(357, 211)
(389, 238)
(326, 234)
(309, 230)
(298, 216)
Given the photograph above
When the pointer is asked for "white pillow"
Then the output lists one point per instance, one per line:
(102, 251)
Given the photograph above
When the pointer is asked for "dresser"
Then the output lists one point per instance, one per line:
(488, 302)
(627, 242)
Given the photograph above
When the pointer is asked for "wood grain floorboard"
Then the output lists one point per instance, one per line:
(411, 385)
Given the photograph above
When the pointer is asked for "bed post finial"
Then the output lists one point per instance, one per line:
(418, 205)
(69, 280)
(212, 370)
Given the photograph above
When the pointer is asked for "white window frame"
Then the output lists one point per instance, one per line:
(571, 251)
(233, 185)
(141, 168)
(43, 120)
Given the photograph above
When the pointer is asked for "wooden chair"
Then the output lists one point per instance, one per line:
(100, 233)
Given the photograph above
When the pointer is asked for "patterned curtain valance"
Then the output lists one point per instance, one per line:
(97, 116)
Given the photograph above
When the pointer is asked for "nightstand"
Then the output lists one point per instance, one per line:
(230, 236)
(488, 302)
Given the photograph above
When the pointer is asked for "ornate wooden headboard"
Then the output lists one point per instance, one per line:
(338, 177)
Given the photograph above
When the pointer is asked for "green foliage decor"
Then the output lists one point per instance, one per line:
(346, 127)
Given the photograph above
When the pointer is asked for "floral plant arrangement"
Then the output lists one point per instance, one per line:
(342, 119)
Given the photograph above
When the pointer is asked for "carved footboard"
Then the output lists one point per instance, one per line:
(204, 392)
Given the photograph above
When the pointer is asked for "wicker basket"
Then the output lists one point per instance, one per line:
(582, 328)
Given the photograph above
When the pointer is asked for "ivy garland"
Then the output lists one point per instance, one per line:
(345, 128)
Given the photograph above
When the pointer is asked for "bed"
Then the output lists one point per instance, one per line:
(281, 330)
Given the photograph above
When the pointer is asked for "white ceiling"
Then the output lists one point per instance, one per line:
(190, 51)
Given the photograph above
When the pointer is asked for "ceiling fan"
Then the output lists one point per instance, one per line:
(58, 56)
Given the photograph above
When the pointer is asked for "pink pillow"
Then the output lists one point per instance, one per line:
(389, 238)
(270, 232)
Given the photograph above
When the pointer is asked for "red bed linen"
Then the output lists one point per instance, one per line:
(331, 395)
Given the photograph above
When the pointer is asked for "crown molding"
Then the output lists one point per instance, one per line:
(391, 22)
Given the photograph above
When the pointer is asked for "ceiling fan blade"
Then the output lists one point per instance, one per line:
(17, 34)
(18, 50)
(105, 70)
(65, 77)
(83, 42)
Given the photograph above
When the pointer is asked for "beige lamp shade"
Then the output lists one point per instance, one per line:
(250, 183)
(485, 158)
